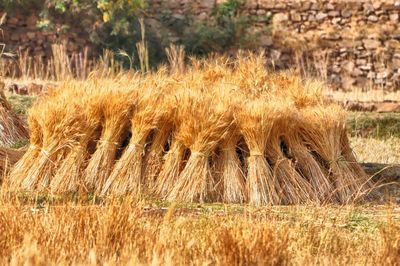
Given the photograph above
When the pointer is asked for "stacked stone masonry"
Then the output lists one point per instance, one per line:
(20, 33)
(350, 43)
(358, 39)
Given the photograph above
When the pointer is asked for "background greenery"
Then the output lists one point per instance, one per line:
(114, 25)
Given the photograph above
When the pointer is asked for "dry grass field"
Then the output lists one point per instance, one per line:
(385, 151)
(212, 161)
(40, 227)
(136, 233)
(45, 230)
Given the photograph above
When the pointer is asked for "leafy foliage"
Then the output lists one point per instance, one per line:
(110, 24)
(114, 25)
(226, 28)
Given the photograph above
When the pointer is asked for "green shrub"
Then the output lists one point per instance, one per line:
(226, 28)
(113, 25)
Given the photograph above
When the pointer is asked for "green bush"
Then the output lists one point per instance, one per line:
(226, 28)
(113, 25)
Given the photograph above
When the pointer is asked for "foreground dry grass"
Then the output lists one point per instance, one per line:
(119, 233)
(385, 151)
(129, 233)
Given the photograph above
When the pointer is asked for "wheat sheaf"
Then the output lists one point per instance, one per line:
(225, 130)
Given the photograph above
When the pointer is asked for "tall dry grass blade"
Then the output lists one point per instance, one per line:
(61, 62)
(142, 49)
(24, 63)
(176, 58)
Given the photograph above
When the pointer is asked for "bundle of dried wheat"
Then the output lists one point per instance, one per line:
(127, 173)
(116, 107)
(68, 177)
(60, 120)
(224, 130)
(12, 128)
(204, 121)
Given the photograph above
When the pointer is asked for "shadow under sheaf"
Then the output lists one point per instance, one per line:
(8, 158)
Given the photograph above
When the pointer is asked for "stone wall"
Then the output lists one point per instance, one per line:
(348, 42)
(360, 40)
(21, 33)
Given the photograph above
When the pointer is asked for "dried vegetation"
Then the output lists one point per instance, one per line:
(223, 130)
(129, 234)
(12, 127)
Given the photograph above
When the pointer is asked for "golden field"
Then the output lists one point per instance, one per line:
(133, 233)
(224, 130)
(60, 211)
